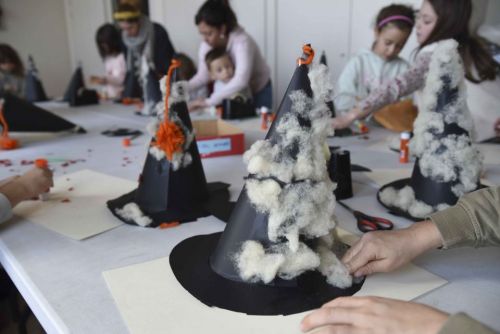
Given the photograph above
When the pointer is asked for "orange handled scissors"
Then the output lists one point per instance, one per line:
(368, 223)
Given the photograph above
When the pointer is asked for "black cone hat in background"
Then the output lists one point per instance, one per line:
(432, 192)
(183, 195)
(23, 116)
(329, 104)
(205, 267)
(152, 93)
(132, 87)
(76, 94)
(34, 91)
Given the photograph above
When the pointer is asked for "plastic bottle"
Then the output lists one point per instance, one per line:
(264, 111)
(404, 151)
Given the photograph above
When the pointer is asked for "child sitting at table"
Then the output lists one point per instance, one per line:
(110, 46)
(11, 72)
(221, 70)
(371, 68)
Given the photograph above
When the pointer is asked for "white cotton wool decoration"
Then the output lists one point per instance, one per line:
(156, 153)
(131, 211)
(255, 265)
(333, 269)
(297, 262)
(264, 194)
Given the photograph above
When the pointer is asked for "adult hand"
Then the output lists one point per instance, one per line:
(197, 104)
(344, 120)
(384, 251)
(374, 315)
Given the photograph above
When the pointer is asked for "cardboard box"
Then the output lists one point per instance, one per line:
(216, 138)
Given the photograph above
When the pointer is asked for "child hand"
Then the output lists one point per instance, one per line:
(197, 104)
(98, 80)
(36, 181)
(346, 119)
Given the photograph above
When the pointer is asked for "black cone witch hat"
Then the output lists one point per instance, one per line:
(34, 89)
(23, 116)
(152, 93)
(447, 164)
(172, 186)
(76, 94)
(262, 264)
(132, 89)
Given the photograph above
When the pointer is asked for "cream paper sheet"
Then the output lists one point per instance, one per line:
(76, 206)
(151, 300)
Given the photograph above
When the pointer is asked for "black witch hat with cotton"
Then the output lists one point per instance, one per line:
(263, 262)
(172, 186)
(76, 94)
(34, 91)
(132, 88)
(23, 116)
(447, 164)
(152, 94)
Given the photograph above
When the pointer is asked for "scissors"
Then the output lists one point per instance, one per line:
(369, 223)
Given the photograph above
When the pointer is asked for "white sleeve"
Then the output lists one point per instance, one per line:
(5, 208)
(347, 86)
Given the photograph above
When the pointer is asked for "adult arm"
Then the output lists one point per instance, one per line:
(202, 77)
(473, 221)
(402, 85)
(164, 50)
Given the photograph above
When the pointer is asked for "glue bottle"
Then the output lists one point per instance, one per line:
(264, 111)
(43, 164)
(404, 151)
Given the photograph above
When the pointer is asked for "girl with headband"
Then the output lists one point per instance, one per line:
(437, 21)
(372, 67)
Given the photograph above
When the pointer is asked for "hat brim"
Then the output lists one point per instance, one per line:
(398, 185)
(217, 204)
(190, 264)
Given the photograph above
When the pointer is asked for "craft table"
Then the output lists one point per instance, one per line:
(61, 279)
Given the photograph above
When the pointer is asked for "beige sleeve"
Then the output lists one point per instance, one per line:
(461, 323)
(474, 221)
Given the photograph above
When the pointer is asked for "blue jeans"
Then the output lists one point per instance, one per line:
(264, 97)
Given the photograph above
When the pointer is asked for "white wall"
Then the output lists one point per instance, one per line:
(39, 28)
(83, 18)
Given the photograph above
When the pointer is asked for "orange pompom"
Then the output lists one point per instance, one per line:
(169, 138)
(126, 142)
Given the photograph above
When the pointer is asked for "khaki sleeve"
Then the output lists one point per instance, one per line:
(474, 221)
(461, 323)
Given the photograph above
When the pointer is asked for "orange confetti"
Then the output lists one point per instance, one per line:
(168, 225)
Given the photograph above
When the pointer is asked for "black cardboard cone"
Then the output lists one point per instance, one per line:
(76, 83)
(322, 59)
(34, 91)
(183, 195)
(23, 116)
(132, 87)
(152, 94)
(329, 104)
(427, 190)
(76, 94)
(204, 265)
(245, 222)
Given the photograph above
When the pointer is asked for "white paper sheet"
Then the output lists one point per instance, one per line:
(385, 176)
(86, 213)
(151, 300)
(491, 153)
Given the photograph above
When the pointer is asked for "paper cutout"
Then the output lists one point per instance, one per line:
(384, 176)
(81, 212)
(151, 300)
